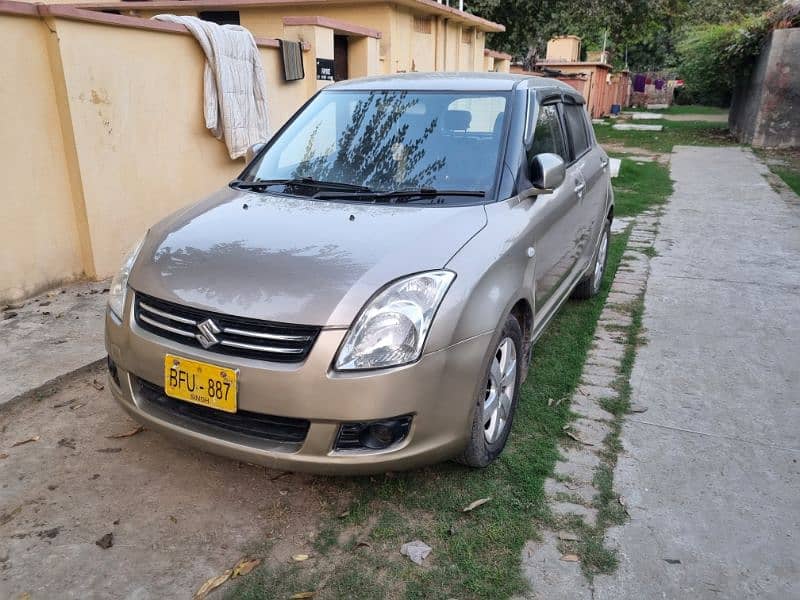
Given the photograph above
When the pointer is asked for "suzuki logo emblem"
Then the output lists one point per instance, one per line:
(207, 337)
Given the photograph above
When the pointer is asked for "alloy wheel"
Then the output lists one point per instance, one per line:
(500, 389)
(600, 264)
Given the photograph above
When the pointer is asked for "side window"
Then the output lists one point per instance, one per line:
(547, 135)
(575, 116)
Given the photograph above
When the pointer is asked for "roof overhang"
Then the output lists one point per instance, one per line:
(429, 7)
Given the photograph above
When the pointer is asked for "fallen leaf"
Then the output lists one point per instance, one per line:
(78, 405)
(577, 439)
(637, 408)
(300, 557)
(570, 558)
(127, 434)
(363, 544)
(24, 596)
(97, 385)
(211, 584)
(106, 541)
(244, 566)
(279, 475)
(3, 455)
(6, 517)
(344, 514)
(672, 561)
(559, 401)
(550, 402)
(301, 595)
(173, 519)
(567, 536)
(622, 500)
(28, 441)
(476, 504)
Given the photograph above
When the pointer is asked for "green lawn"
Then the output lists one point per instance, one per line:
(688, 109)
(790, 176)
(675, 133)
(640, 185)
(475, 554)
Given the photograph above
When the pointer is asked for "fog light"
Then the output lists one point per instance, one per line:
(372, 435)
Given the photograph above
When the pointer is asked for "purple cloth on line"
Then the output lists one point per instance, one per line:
(659, 84)
(639, 82)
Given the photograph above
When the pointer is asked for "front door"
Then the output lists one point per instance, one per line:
(340, 58)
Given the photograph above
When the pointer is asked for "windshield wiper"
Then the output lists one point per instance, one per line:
(299, 181)
(400, 195)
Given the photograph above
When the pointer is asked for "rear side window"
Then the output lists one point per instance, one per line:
(575, 117)
(548, 136)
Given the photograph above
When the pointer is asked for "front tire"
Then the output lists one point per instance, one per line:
(589, 286)
(497, 400)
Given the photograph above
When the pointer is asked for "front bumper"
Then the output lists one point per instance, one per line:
(439, 391)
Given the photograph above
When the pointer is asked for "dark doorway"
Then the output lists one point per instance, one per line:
(339, 57)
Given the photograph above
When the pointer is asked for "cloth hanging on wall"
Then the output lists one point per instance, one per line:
(292, 54)
(235, 91)
(639, 82)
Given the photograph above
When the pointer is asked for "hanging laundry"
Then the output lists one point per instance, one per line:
(638, 82)
(235, 91)
(659, 84)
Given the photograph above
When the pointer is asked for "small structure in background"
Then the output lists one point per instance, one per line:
(605, 91)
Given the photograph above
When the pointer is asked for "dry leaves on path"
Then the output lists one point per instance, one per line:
(28, 441)
(300, 557)
(570, 558)
(106, 541)
(3, 455)
(473, 505)
(127, 434)
(302, 595)
(243, 567)
(98, 385)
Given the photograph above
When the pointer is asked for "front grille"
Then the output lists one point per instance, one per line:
(264, 427)
(235, 336)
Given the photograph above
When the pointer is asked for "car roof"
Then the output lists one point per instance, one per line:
(461, 82)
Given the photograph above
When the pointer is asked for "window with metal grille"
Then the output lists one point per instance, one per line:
(422, 24)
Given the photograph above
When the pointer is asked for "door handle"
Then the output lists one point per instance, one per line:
(603, 162)
(580, 186)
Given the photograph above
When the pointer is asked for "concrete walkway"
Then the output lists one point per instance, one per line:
(50, 336)
(710, 473)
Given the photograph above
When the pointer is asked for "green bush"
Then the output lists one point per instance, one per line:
(711, 57)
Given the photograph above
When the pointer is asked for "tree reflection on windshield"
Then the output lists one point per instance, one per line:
(377, 148)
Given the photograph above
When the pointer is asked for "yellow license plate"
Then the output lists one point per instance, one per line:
(200, 383)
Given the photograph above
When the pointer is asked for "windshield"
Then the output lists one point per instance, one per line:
(390, 140)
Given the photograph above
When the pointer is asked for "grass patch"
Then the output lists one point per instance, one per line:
(675, 133)
(791, 177)
(640, 186)
(686, 109)
(475, 554)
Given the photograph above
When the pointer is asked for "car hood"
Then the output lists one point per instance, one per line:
(294, 260)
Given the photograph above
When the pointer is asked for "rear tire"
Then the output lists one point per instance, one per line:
(589, 286)
(497, 399)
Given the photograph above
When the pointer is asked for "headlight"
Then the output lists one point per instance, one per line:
(392, 327)
(119, 285)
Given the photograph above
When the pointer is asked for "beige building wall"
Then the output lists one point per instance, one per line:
(103, 129)
(39, 245)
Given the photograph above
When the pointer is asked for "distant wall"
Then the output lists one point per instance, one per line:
(766, 105)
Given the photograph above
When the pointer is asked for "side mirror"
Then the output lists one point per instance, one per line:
(252, 151)
(547, 172)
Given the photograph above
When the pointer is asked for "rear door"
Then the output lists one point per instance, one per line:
(587, 172)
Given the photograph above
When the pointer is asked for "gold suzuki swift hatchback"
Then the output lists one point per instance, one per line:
(366, 294)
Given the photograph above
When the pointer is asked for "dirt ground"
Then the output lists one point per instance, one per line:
(178, 515)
